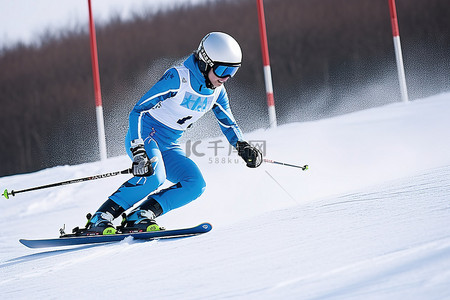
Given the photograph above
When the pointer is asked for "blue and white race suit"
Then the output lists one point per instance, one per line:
(160, 118)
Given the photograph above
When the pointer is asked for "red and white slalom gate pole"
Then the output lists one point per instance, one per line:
(398, 51)
(97, 90)
(266, 63)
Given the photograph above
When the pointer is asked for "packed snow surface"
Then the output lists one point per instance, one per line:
(370, 219)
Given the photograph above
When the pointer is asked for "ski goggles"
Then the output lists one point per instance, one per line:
(223, 71)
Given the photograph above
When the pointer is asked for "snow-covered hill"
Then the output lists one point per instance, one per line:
(369, 220)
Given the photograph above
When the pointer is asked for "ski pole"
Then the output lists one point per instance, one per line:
(6, 194)
(304, 168)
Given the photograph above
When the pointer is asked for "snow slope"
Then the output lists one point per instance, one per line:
(369, 220)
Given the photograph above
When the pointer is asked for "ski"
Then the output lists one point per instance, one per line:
(97, 239)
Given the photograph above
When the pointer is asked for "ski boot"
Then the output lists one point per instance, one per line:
(142, 218)
(139, 220)
(101, 222)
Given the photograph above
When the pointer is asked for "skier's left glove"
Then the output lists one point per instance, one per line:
(251, 155)
(141, 166)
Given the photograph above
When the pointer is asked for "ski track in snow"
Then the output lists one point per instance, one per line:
(369, 222)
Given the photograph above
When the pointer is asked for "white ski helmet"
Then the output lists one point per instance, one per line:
(221, 52)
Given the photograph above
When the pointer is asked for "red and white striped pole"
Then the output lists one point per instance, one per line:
(97, 89)
(266, 63)
(398, 51)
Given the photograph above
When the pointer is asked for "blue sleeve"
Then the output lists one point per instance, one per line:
(226, 120)
(166, 87)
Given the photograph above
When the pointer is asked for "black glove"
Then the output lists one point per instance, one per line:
(141, 166)
(251, 155)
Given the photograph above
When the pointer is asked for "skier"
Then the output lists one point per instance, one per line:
(156, 123)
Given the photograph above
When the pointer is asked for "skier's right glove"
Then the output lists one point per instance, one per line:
(251, 155)
(141, 166)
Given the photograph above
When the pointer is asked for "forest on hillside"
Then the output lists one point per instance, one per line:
(327, 57)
